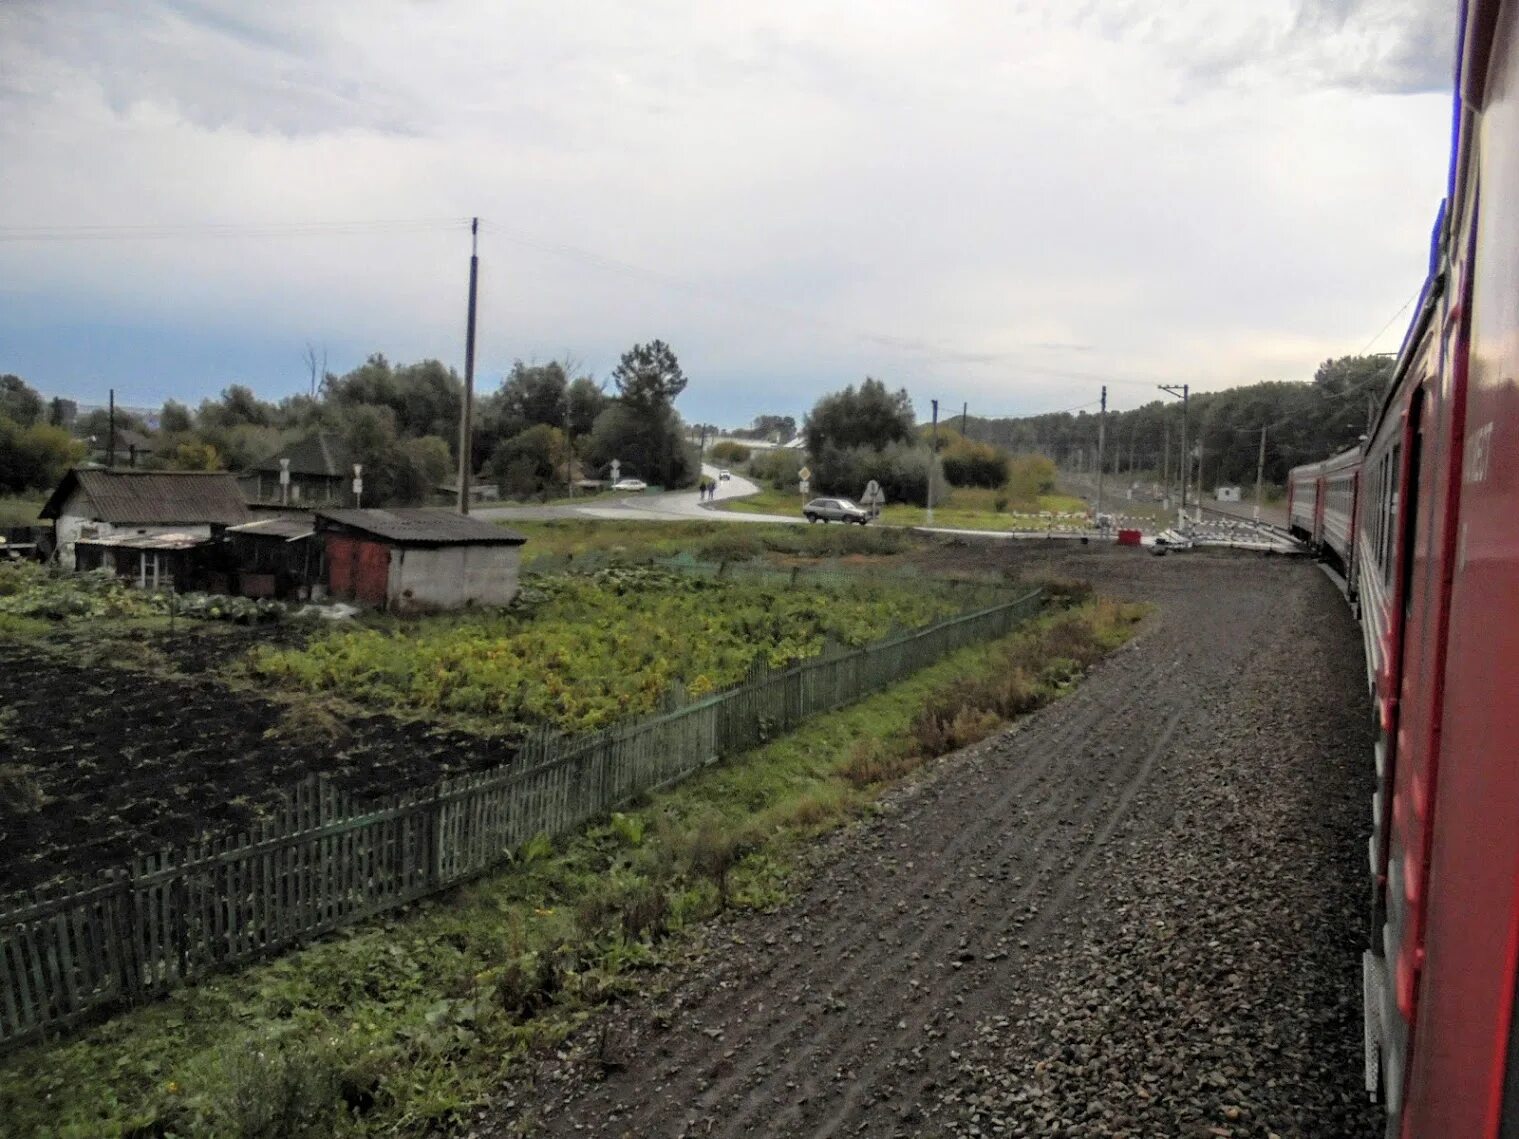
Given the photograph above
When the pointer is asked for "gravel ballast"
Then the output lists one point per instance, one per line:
(1137, 913)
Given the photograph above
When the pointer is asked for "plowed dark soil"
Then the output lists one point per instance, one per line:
(98, 764)
(1135, 914)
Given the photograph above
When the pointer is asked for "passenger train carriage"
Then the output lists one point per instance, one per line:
(1321, 504)
(1423, 520)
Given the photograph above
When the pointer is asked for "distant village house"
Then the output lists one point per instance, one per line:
(320, 474)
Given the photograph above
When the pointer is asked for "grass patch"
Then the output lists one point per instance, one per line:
(965, 508)
(20, 510)
(401, 1026)
(708, 541)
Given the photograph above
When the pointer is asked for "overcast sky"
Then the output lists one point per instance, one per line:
(1007, 203)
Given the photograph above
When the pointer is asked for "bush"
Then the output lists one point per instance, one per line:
(1030, 476)
(714, 848)
(901, 469)
(35, 456)
(269, 1090)
(730, 452)
(974, 464)
(875, 760)
(777, 468)
(633, 907)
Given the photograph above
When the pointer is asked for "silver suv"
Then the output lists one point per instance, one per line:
(834, 510)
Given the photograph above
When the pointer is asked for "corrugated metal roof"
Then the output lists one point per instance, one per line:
(319, 454)
(423, 526)
(154, 498)
(289, 528)
(177, 541)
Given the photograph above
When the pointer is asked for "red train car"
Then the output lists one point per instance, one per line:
(1321, 508)
(1436, 544)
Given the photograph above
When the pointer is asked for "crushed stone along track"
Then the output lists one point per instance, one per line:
(1134, 914)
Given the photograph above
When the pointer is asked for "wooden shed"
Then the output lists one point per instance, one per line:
(417, 559)
(277, 556)
(94, 505)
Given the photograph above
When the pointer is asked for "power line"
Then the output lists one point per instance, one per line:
(705, 292)
(1401, 310)
(180, 230)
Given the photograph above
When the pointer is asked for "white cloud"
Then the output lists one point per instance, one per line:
(1006, 203)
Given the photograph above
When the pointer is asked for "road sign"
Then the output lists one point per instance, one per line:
(873, 498)
(804, 474)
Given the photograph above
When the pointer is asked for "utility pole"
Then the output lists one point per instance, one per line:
(569, 450)
(1260, 473)
(1102, 445)
(1165, 465)
(1186, 461)
(467, 412)
(1197, 510)
(110, 439)
(933, 459)
(964, 415)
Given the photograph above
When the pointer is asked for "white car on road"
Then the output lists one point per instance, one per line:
(630, 484)
(834, 510)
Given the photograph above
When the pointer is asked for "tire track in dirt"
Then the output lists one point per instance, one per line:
(781, 1030)
(844, 1011)
(1067, 882)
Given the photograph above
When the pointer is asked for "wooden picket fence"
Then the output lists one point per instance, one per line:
(125, 935)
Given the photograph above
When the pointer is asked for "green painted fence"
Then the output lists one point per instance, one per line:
(128, 934)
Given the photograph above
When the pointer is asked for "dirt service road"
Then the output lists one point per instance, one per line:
(1134, 914)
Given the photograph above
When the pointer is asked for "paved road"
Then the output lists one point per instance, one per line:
(675, 505)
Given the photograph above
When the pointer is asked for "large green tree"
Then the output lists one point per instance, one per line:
(867, 416)
(19, 401)
(425, 397)
(397, 471)
(649, 376)
(34, 457)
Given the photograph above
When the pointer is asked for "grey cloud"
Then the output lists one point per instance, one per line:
(1377, 46)
(217, 65)
(952, 194)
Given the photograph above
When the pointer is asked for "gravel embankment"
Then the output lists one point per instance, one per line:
(1135, 914)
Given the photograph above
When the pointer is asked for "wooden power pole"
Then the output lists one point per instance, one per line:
(467, 411)
(1102, 444)
(1260, 473)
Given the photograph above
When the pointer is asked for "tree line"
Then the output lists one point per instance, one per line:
(544, 425)
(1303, 422)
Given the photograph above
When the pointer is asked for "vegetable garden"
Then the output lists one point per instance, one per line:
(585, 650)
(119, 736)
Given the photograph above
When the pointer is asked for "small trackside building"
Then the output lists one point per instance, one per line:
(416, 560)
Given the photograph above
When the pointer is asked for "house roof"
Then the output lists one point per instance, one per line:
(320, 454)
(153, 498)
(126, 439)
(421, 526)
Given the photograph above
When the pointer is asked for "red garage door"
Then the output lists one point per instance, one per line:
(358, 569)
